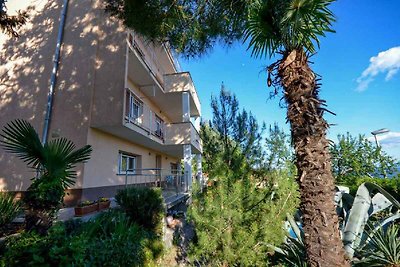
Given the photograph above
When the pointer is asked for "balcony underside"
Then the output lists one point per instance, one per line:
(142, 137)
(151, 85)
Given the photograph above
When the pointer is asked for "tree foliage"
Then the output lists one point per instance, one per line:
(10, 24)
(279, 153)
(354, 157)
(237, 220)
(243, 210)
(191, 27)
(286, 25)
(233, 138)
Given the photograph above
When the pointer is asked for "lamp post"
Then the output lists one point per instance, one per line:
(380, 131)
(375, 133)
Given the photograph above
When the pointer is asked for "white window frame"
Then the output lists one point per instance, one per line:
(159, 127)
(135, 108)
(128, 156)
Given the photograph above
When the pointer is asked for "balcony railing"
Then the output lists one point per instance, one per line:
(143, 116)
(171, 182)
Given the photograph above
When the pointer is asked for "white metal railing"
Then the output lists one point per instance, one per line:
(172, 181)
(142, 115)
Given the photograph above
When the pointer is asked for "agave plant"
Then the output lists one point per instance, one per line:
(355, 214)
(383, 248)
(370, 199)
(293, 251)
(8, 208)
(53, 161)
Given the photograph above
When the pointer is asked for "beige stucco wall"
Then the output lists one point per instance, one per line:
(25, 67)
(102, 169)
(92, 64)
(90, 89)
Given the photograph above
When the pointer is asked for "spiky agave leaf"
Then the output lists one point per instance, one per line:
(292, 253)
(383, 249)
(363, 207)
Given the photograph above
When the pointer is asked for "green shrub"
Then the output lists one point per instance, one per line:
(391, 185)
(237, 220)
(109, 240)
(143, 205)
(8, 208)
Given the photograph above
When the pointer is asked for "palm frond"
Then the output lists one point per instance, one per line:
(21, 139)
(275, 25)
(79, 155)
(61, 158)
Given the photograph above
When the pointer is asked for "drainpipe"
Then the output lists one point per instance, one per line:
(53, 78)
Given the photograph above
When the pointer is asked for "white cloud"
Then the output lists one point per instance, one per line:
(385, 62)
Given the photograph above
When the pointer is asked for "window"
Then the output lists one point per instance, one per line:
(174, 168)
(134, 108)
(159, 129)
(127, 163)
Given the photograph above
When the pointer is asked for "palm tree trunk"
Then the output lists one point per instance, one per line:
(305, 113)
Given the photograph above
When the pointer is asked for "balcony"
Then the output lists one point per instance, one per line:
(152, 69)
(183, 133)
(144, 126)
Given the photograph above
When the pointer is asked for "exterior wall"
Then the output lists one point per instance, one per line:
(90, 90)
(89, 59)
(98, 172)
(109, 77)
(25, 68)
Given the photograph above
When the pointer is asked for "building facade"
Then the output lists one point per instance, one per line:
(114, 90)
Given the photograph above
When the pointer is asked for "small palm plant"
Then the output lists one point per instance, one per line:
(54, 162)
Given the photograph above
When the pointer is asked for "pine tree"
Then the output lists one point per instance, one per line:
(11, 24)
(237, 220)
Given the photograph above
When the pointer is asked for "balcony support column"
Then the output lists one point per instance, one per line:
(199, 174)
(185, 107)
(187, 159)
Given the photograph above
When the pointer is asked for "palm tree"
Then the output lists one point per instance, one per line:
(54, 162)
(291, 28)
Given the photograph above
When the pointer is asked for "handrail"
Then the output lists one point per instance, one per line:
(167, 180)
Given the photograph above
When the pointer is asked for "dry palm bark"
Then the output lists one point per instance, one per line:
(305, 113)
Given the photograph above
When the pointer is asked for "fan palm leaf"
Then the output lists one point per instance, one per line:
(275, 25)
(21, 139)
(55, 162)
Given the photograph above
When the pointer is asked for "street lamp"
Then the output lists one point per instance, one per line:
(380, 131)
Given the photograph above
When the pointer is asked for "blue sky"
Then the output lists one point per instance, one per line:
(358, 64)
